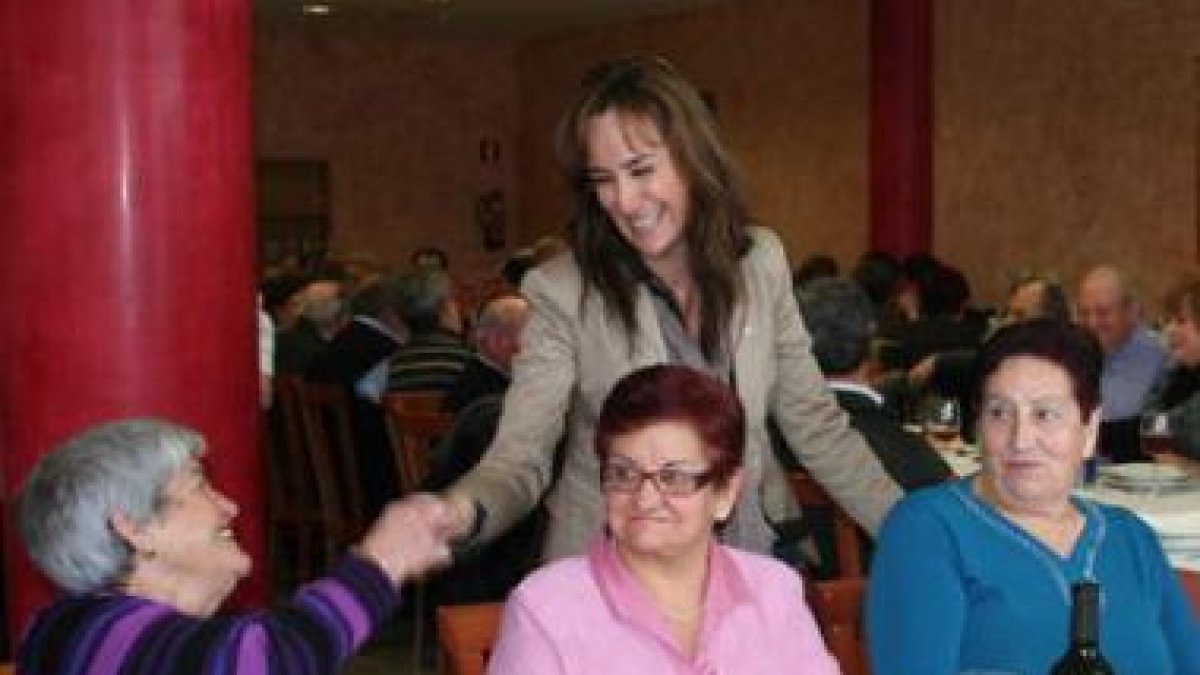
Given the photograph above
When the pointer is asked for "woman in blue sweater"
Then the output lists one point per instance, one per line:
(975, 575)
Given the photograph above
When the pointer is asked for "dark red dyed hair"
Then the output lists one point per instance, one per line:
(674, 393)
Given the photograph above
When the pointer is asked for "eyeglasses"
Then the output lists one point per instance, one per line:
(670, 481)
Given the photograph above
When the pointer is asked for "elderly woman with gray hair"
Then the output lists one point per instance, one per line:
(123, 519)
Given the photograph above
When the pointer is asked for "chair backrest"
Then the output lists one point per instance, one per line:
(297, 524)
(466, 634)
(414, 431)
(329, 438)
(416, 401)
(837, 605)
(1191, 586)
(847, 538)
(288, 482)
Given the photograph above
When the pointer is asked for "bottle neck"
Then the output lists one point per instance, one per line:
(1085, 614)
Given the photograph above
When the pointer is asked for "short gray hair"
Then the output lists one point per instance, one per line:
(71, 494)
(840, 317)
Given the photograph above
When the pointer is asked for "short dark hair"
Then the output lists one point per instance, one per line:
(815, 266)
(840, 317)
(516, 266)
(1066, 345)
(1053, 303)
(677, 393)
(878, 272)
(373, 299)
(420, 296)
(945, 292)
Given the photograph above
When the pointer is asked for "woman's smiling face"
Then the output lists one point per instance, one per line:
(637, 181)
(649, 523)
(191, 537)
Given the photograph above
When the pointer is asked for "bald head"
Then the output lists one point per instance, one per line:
(498, 331)
(1106, 306)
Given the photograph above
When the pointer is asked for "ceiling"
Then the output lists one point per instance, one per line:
(473, 18)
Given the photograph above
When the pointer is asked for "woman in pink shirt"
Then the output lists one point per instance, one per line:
(658, 594)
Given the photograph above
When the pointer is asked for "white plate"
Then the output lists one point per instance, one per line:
(1159, 489)
(1144, 472)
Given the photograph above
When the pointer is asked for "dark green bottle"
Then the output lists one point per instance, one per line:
(1083, 655)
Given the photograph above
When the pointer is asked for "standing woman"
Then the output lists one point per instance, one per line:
(663, 267)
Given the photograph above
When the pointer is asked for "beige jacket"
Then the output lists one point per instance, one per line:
(571, 357)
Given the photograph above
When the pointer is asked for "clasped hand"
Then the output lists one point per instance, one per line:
(410, 537)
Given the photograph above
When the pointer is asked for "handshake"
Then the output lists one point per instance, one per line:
(412, 536)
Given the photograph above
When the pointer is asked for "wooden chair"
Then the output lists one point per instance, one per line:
(294, 514)
(1191, 586)
(847, 539)
(466, 634)
(415, 423)
(333, 460)
(837, 606)
(416, 401)
(415, 429)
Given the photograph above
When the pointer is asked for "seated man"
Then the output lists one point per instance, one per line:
(497, 337)
(1031, 296)
(839, 316)
(1135, 358)
(1035, 296)
(435, 355)
(477, 395)
(357, 361)
(477, 400)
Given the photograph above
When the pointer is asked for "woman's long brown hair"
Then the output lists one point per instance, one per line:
(649, 90)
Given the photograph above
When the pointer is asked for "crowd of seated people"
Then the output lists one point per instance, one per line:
(910, 331)
(935, 337)
(607, 382)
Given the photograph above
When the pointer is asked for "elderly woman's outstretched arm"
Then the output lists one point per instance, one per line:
(315, 632)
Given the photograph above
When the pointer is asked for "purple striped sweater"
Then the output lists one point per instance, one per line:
(113, 634)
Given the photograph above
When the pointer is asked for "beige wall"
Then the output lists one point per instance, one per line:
(1066, 135)
(1065, 131)
(400, 121)
(788, 77)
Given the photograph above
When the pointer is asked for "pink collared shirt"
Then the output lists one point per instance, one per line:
(588, 614)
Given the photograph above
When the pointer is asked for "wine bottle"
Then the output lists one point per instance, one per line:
(1083, 655)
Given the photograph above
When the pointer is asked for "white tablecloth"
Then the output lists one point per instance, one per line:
(1175, 516)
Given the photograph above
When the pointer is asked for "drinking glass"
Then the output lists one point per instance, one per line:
(942, 421)
(1154, 434)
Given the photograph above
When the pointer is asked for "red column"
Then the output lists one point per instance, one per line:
(127, 262)
(901, 143)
